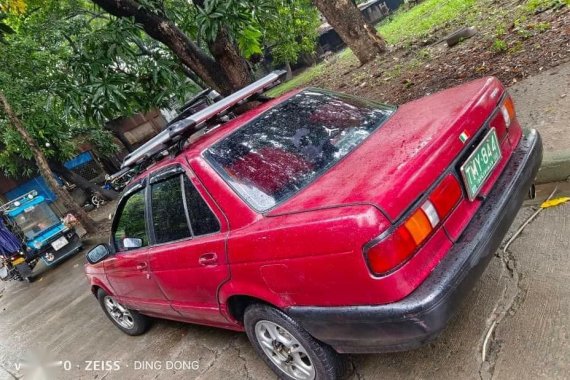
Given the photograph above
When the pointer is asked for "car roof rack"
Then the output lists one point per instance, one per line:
(182, 129)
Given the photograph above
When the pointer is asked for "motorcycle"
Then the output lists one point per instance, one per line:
(89, 200)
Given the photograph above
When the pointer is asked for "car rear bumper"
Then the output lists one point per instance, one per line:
(71, 248)
(420, 317)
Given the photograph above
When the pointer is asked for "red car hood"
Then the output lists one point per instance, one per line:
(399, 161)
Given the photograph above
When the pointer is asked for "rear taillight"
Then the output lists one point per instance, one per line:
(446, 195)
(508, 110)
(503, 119)
(404, 241)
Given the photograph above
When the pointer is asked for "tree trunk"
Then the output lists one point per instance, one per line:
(225, 76)
(349, 23)
(289, 71)
(44, 169)
(81, 182)
(227, 56)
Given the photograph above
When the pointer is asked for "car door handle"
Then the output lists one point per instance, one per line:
(208, 259)
(141, 266)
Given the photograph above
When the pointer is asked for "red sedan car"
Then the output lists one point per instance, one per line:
(319, 223)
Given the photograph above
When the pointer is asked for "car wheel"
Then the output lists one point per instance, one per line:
(128, 321)
(290, 351)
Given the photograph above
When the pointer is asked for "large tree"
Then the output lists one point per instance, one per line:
(226, 72)
(67, 70)
(212, 37)
(347, 20)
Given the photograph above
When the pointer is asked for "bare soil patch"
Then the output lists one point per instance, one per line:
(512, 47)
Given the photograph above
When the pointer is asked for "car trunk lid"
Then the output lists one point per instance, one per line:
(400, 161)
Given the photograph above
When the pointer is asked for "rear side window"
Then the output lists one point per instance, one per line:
(131, 222)
(277, 154)
(202, 218)
(168, 215)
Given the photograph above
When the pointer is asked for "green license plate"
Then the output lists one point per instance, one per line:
(479, 165)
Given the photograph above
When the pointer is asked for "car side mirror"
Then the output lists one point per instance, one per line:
(98, 254)
(130, 243)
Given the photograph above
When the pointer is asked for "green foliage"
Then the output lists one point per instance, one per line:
(68, 69)
(239, 17)
(542, 26)
(118, 71)
(500, 31)
(5, 29)
(289, 27)
(532, 6)
(420, 20)
(499, 46)
(8, 7)
(292, 31)
(13, 6)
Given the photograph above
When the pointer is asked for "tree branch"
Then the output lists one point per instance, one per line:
(165, 31)
(71, 44)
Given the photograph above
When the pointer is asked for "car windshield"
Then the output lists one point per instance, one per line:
(35, 219)
(273, 157)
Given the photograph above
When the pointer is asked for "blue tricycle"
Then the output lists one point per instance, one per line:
(32, 231)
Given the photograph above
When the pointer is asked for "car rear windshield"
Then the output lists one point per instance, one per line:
(280, 152)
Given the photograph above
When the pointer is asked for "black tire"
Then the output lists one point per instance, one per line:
(16, 276)
(140, 323)
(326, 363)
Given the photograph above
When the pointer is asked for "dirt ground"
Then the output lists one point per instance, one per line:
(532, 43)
(523, 297)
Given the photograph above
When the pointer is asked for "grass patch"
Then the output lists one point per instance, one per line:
(532, 6)
(419, 21)
(499, 46)
(404, 25)
(298, 81)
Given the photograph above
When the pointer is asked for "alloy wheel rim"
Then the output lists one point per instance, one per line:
(284, 350)
(119, 313)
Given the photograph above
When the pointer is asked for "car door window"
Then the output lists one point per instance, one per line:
(168, 215)
(202, 219)
(131, 222)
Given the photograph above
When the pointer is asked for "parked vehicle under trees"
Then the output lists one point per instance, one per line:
(32, 231)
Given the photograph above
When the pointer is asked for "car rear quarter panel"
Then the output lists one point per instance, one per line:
(290, 259)
(315, 258)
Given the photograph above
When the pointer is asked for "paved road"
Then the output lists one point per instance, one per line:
(542, 102)
(523, 295)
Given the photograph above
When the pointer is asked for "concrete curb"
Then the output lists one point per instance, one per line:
(555, 167)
